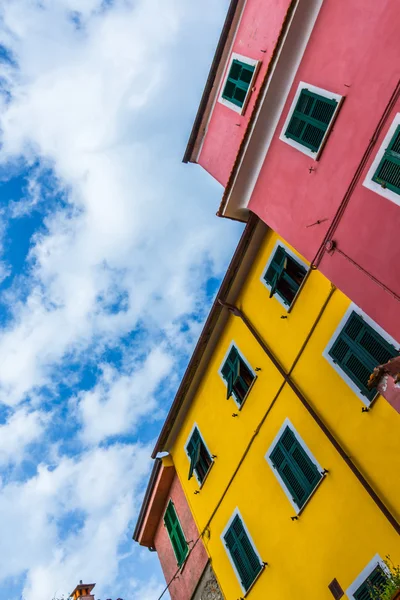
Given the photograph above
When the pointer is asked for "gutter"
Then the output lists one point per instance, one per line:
(145, 504)
(210, 80)
(205, 335)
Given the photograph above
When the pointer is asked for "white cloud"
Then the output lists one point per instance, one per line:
(22, 428)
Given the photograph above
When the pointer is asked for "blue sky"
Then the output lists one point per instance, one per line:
(110, 256)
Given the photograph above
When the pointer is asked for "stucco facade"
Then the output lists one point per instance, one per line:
(322, 207)
(341, 528)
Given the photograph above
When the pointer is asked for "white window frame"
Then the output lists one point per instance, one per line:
(200, 483)
(302, 85)
(359, 580)
(288, 423)
(246, 362)
(373, 185)
(235, 513)
(301, 262)
(248, 61)
(354, 308)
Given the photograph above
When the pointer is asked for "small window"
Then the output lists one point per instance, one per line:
(238, 82)
(175, 533)
(371, 587)
(388, 172)
(310, 119)
(199, 456)
(296, 470)
(284, 275)
(358, 349)
(240, 548)
(237, 375)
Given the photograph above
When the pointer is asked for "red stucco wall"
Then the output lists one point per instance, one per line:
(354, 51)
(183, 587)
(258, 30)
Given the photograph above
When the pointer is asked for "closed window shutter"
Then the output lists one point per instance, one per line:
(238, 82)
(175, 533)
(358, 350)
(311, 118)
(295, 467)
(371, 586)
(245, 559)
(388, 171)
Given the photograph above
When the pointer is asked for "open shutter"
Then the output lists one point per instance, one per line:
(230, 370)
(311, 118)
(238, 82)
(358, 350)
(194, 457)
(388, 171)
(242, 552)
(370, 587)
(276, 267)
(299, 473)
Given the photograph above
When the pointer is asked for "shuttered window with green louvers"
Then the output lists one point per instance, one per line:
(371, 587)
(199, 457)
(238, 82)
(239, 546)
(358, 349)
(310, 120)
(175, 533)
(237, 375)
(284, 276)
(388, 171)
(296, 469)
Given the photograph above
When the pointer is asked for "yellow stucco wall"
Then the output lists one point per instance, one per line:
(340, 529)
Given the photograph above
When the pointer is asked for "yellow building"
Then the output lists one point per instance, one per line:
(290, 465)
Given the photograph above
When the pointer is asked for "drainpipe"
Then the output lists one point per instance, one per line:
(237, 312)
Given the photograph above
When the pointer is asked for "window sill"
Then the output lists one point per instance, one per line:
(300, 511)
(254, 581)
(240, 406)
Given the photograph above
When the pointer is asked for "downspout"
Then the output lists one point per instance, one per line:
(237, 312)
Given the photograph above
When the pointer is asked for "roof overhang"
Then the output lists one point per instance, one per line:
(288, 53)
(156, 494)
(240, 265)
(214, 77)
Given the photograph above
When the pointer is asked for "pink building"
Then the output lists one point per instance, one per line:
(300, 122)
(165, 525)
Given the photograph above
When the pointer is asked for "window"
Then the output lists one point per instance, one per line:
(238, 376)
(388, 172)
(175, 533)
(295, 469)
(236, 86)
(383, 176)
(241, 552)
(371, 586)
(238, 82)
(358, 349)
(310, 118)
(199, 456)
(284, 275)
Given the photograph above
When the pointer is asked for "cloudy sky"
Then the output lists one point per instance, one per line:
(110, 254)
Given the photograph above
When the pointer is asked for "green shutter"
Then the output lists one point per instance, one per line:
(237, 375)
(310, 120)
(175, 533)
(298, 472)
(244, 557)
(388, 171)
(200, 459)
(278, 276)
(237, 83)
(369, 589)
(358, 350)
